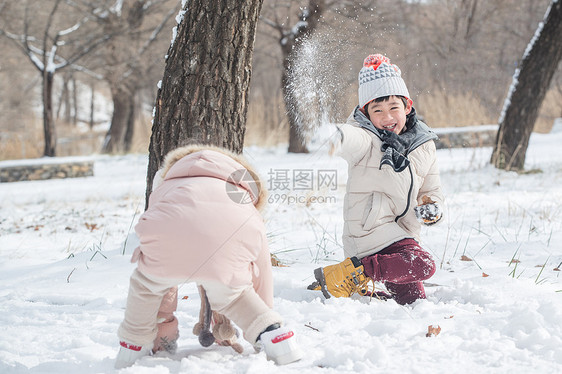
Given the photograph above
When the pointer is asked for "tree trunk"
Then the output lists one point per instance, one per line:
(297, 143)
(74, 116)
(130, 129)
(204, 93)
(529, 87)
(114, 139)
(289, 49)
(64, 99)
(92, 104)
(48, 121)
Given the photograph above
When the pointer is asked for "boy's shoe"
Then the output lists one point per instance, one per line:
(280, 345)
(343, 279)
(129, 353)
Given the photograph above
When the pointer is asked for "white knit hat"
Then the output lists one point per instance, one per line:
(379, 78)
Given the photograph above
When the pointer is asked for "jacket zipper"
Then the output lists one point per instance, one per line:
(409, 195)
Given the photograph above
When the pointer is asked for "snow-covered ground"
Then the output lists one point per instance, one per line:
(64, 268)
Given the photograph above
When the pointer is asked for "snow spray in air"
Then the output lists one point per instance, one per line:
(317, 84)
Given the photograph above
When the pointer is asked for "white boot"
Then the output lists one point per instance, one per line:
(280, 346)
(129, 353)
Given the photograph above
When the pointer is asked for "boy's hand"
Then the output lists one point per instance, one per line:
(429, 212)
(327, 137)
(335, 142)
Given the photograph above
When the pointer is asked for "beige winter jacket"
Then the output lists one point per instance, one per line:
(379, 202)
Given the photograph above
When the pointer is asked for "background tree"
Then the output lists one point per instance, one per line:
(51, 51)
(290, 39)
(125, 60)
(457, 57)
(204, 92)
(529, 87)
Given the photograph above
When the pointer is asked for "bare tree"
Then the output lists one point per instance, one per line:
(125, 60)
(50, 51)
(529, 87)
(290, 38)
(204, 93)
(68, 98)
(456, 56)
(466, 47)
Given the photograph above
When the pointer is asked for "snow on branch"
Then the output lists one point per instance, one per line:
(117, 7)
(21, 42)
(51, 66)
(73, 28)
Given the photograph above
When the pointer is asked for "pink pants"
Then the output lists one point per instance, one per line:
(402, 266)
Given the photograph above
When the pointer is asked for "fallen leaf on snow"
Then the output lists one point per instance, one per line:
(433, 331)
(465, 258)
(91, 226)
(485, 275)
(276, 262)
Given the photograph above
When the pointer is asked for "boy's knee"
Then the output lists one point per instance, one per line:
(428, 264)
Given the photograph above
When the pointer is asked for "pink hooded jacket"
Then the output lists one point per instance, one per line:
(203, 222)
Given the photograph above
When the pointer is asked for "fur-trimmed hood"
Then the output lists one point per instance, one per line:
(202, 221)
(210, 161)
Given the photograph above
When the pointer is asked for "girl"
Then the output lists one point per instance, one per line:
(203, 225)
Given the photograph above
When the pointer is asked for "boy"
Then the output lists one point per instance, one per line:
(393, 182)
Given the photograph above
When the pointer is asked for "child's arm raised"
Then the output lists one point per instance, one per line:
(353, 143)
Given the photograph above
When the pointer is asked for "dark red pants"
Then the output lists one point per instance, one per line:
(402, 266)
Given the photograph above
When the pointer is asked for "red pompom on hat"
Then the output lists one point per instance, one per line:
(380, 78)
(375, 61)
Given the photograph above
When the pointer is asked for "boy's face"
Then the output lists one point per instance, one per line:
(389, 115)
